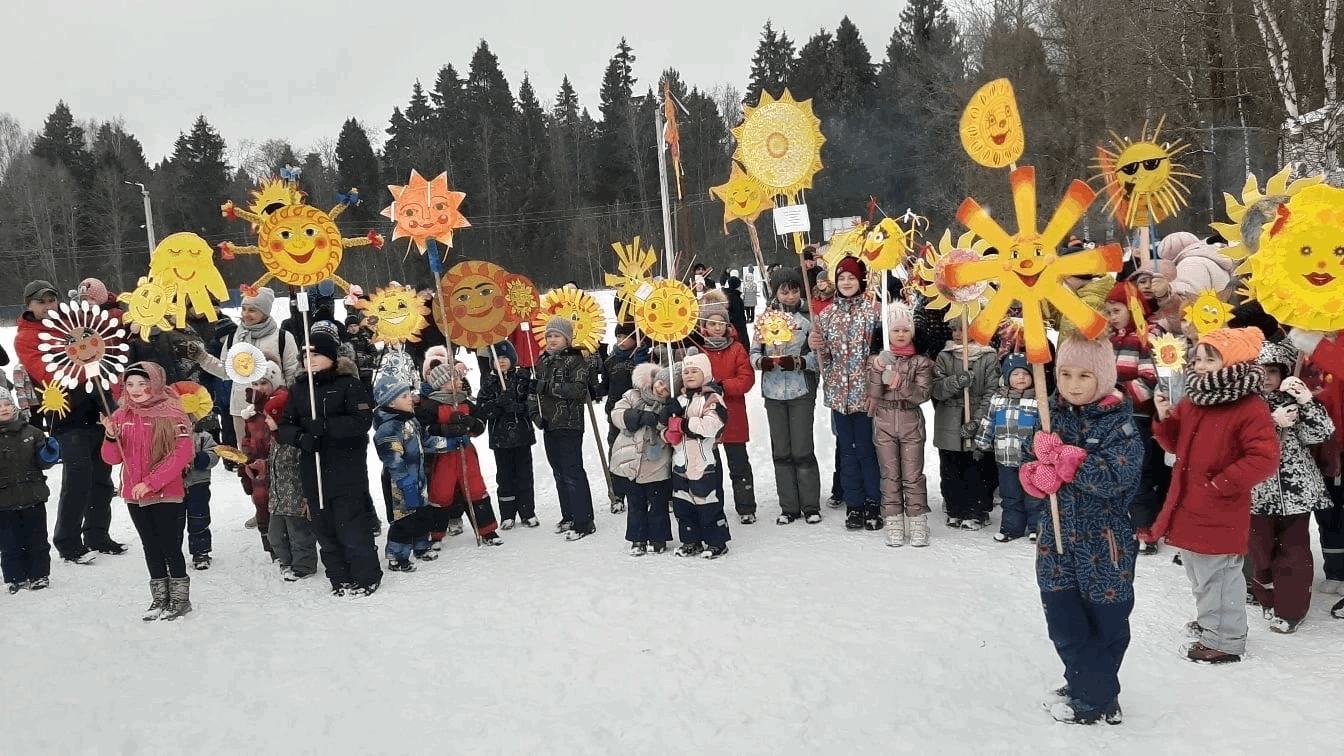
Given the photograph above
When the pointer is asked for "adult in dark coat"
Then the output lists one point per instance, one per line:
(737, 311)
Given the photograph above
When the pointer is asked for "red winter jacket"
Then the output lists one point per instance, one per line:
(732, 371)
(1208, 507)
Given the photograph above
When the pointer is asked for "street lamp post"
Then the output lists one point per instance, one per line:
(149, 213)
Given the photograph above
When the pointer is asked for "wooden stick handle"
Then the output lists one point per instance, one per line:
(1043, 406)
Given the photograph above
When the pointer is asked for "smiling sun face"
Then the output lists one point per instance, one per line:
(1207, 313)
(477, 304)
(744, 198)
(184, 265)
(400, 314)
(991, 126)
(426, 209)
(147, 307)
(1298, 272)
(668, 313)
(1143, 179)
(300, 245)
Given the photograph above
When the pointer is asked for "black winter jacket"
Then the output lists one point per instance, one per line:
(505, 408)
(565, 382)
(340, 432)
(617, 374)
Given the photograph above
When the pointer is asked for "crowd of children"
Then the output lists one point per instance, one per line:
(1095, 465)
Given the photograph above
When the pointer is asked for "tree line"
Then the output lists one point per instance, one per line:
(550, 184)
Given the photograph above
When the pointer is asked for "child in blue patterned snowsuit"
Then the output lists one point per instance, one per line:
(397, 439)
(1088, 591)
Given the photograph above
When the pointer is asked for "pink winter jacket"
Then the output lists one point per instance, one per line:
(165, 478)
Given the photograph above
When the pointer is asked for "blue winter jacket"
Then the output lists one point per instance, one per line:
(1099, 546)
(783, 385)
(397, 437)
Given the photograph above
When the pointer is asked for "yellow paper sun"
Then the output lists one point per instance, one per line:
(634, 264)
(194, 398)
(478, 312)
(299, 244)
(668, 313)
(1298, 273)
(1207, 312)
(774, 328)
(847, 243)
(425, 210)
(991, 126)
(577, 306)
(1169, 352)
(273, 194)
(1142, 178)
(779, 143)
(930, 277)
(54, 400)
(1249, 215)
(886, 245)
(1027, 267)
(522, 296)
(744, 198)
(400, 314)
(184, 265)
(147, 307)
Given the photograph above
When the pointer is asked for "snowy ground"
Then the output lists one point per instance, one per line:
(805, 639)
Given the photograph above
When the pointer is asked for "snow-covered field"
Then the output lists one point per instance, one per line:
(804, 639)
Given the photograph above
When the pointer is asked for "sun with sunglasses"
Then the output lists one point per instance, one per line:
(1142, 178)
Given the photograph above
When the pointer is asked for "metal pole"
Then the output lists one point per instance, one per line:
(149, 213)
(662, 193)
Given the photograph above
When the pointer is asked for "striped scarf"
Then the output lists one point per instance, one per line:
(1224, 386)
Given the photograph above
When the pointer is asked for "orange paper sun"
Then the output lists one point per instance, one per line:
(1027, 268)
(425, 210)
(475, 295)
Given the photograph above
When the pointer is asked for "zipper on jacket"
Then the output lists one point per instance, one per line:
(1115, 547)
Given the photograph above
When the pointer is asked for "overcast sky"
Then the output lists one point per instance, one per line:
(264, 70)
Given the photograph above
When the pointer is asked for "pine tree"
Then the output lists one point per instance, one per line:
(202, 180)
(811, 72)
(770, 65)
(853, 77)
(616, 178)
(115, 212)
(450, 112)
(357, 168)
(398, 149)
(491, 133)
(536, 186)
(62, 143)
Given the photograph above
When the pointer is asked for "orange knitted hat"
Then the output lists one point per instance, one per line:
(1235, 345)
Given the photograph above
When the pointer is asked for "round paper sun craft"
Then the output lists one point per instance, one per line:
(83, 344)
(426, 209)
(1207, 313)
(244, 363)
(1249, 215)
(184, 265)
(1298, 273)
(667, 312)
(779, 143)
(300, 245)
(930, 277)
(473, 294)
(400, 314)
(991, 126)
(1142, 178)
(774, 328)
(580, 308)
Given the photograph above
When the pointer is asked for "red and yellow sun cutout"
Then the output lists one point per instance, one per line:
(300, 245)
(477, 306)
(426, 209)
(522, 296)
(577, 306)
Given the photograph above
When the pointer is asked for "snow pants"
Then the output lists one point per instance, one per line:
(513, 481)
(564, 452)
(646, 504)
(1021, 513)
(160, 527)
(899, 437)
(84, 510)
(1283, 570)
(456, 483)
(408, 534)
(24, 551)
(293, 543)
(1330, 524)
(797, 476)
(196, 515)
(698, 506)
(859, 473)
(1091, 639)
(739, 472)
(1220, 599)
(968, 493)
(344, 531)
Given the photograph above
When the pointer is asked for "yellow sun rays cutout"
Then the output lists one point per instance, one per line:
(744, 198)
(196, 400)
(1297, 275)
(1207, 312)
(424, 210)
(273, 194)
(931, 277)
(779, 143)
(400, 314)
(522, 296)
(634, 265)
(991, 126)
(886, 245)
(184, 265)
(146, 307)
(1142, 178)
(1249, 215)
(300, 245)
(774, 328)
(580, 308)
(847, 243)
(473, 293)
(1169, 352)
(667, 312)
(53, 400)
(1027, 268)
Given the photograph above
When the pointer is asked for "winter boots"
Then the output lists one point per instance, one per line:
(854, 519)
(896, 530)
(158, 590)
(179, 598)
(918, 527)
(872, 516)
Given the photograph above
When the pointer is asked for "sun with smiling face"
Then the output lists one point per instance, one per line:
(991, 126)
(580, 308)
(426, 209)
(300, 245)
(399, 314)
(1142, 178)
(930, 277)
(1207, 313)
(147, 307)
(184, 265)
(1298, 273)
(743, 197)
(475, 298)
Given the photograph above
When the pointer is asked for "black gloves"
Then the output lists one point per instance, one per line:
(648, 419)
(788, 362)
(968, 430)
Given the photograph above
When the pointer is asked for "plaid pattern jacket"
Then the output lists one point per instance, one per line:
(1011, 420)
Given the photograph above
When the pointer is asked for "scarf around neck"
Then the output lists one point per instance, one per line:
(259, 331)
(1224, 386)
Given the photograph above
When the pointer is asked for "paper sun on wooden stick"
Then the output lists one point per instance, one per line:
(744, 198)
(146, 307)
(931, 277)
(270, 195)
(1250, 215)
(1298, 273)
(196, 400)
(522, 296)
(184, 265)
(1207, 312)
(399, 314)
(886, 245)
(1027, 268)
(424, 210)
(666, 311)
(1142, 178)
(53, 400)
(83, 344)
(774, 328)
(1169, 352)
(478, 311)
(634, 264)
(244, 363)
(299, 244)
(580, 308)
(779, 143)
(991, 126)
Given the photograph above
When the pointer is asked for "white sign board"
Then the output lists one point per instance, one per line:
(792, 219)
